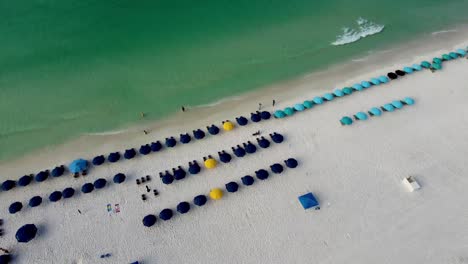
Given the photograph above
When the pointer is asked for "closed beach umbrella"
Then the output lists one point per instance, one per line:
(183, 207)
(216, 194)
(15, 207)
(383, 79)
(360, 116)
(87, 188)
(228, 126)
(346, 120)
(263, 142)
(100, 183)
(25, 180)
(255, 117)
(374, 111)
(392, 75)
(167, 178)
(210, 163)
(291, 163)
(276, 168)
(239, 152)
(58, 171)
(408, 69)
(8, 185)
(446, 57)
(113, 157)
(149, 220)
(119, 178)
(242, 121)
(145, 149)
(437, 60)
(328, 96)
(98, 160)
(165, 214)
(279, 114)
(171, 142)
(299, 107)
(436, 66)
(348, 90)
(366, 84)
(232, 187)
(388, 108)
(358, 87)
(400, 73)
(338, 93)
(250, 148)
(317, 100)
(461, 52)
(308, 104)
(129, 153)
(375, 81)
(194, 168)
(185, 138)
(198, 134)
(265, 115)
(247, 180)
(68, 192)
(453, 55)
(200, 200)
(156, 146)
(224, 157)
(213, 130)
(408, 100)
(261, 174)
(277, 138)
(35, 201)
(425, 64)
(55, 196)
(42, 176)
(289, 111)
(179, 174)
(397, 104)
(417, 67)
(26, 233)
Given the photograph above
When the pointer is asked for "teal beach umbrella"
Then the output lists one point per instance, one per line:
(437, 60)
(338, 93)
(437, 66)
(299, 107)
(408, 101)
(446, 57)
(383, 79)
(374, 111)
(358, 87)
(346, 121)
(308, 104)
(328, 96)
(360, 116)
(366, 84)
(461, 52)
(318, 100)
(453, 55)
(289, 111)
(397, 104)
(426, 64)
(417, 67)
(279, 114)
(408, 70)
(347, 90)
(375, 81)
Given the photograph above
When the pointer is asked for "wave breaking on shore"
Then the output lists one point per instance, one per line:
(365, 28)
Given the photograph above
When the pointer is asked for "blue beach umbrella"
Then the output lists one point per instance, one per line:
(397, 104)
(247, 180)
(348, 90)
(346, 120)
(317, 100)
(170, 142)
(279, 114)
(194, 168)
(417, 67)
(55, 196)
(113, 157)
(129, 153)
(375, 81)
(338, 93)
(149, 220)
(360, 116)
(26, 233)
(145, 149)
(383, 79)
(374, 111)
(291, 163)
(262, 174)
(277, 138)
(198, 134)
(408, 101)
(308, 104)
(87, 188)
(408, 70)
(263, 142)
(100, 183)
(289, 111)
(156, 146)
(276, 168)
(366, 84)
(232, 187)
(179, 173)
(167, 178)
(5, 258)
(35, 201)
(250, 148)
(254, 117)
(183, 207)
(25, 180)
(224, 157)
(165, 214)
(58, 171)
(328, 96)
(68, 192)
(41, 176)
(239, 152)
(358, 87)
(200, 200)
(15, 207)
(8, 185)
(185, 138)
(265, 115)
(98, 160)
(213, 130)
(388, 108)
(299, 107)
(425, 64)
(119, 178)
(461, 52)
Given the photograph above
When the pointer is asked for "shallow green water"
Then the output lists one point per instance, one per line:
(71, 67)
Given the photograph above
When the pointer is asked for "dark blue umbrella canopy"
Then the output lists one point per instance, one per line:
(5, 259)
(198, 134)
(113, 157)
(185, 138)
(194, 168)
(277, 138)
(291, 163)
(55, 196)
(224, 157)
(78, 165)
(171, 142)
(250, 148)
(165, 214)
(87, 187)
(247, 180)
(25, 180)
(58, 171)
(26, 233)
(41, 176)
(156, 146)
(265, 115)
(68, 192)
(8, 185)
(255, 117)
(232, 187)
(149, 220)
(35, 201)
(200, 200)
(100, 183)
(183, 207)
(263, 142)
(179, 173)
(400, 73)
(145, 149)
(242, 121)
(167, 178)
(129, 153)
(276, 168)
(15, 207)
(262, 174)
(239, 152)
(119, 178)
(392, 75)
(98, 160)
(213, 130)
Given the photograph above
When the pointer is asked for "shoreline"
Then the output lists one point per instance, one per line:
(285, 93)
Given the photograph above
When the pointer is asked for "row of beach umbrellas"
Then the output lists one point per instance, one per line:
(377, 111)
(209, 163)
(66, 193)
(218, 193)
(27, 179)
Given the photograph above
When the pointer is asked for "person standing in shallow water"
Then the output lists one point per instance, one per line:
(182, 108)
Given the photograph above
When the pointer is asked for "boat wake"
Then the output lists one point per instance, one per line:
(365, 28)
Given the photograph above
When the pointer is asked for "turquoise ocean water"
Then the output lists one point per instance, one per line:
(73, 67)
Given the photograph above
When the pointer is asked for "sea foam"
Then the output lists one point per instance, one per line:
(365, 28)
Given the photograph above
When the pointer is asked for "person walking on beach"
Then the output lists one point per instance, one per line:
(259, 106)
(146, 132)
(274, 102)
(142, 114)
(182, 108)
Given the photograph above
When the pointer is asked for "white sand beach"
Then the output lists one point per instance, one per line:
(367, 215)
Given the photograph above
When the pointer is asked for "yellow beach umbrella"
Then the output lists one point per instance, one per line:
(210, 163)
(228, 126)
(216, 194)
